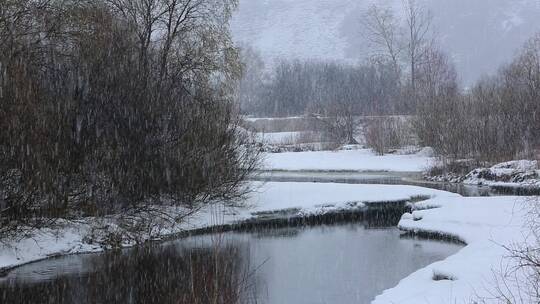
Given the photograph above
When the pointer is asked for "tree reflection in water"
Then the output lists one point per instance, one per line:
(150, 274)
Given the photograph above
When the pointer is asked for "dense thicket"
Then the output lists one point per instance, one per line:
(113, 104)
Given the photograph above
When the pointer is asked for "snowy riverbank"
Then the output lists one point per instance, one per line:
(517, 175)
(485, 224)
(289, 199)
(347, 160)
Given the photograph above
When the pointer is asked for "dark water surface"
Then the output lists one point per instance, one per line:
(342, 263)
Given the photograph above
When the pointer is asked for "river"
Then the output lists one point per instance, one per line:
(346, 260)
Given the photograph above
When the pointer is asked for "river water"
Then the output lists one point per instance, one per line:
(349, 261)
(341, 263)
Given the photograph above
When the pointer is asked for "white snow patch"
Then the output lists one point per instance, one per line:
(346, 160)
(309, 197)
(277, 138)
(486, 224)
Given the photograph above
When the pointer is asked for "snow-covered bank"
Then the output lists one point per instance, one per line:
(485, 224)
(519, 173)
(346, 160)
(316, 198)
(294, 199)
(511, 175)
(44, 244)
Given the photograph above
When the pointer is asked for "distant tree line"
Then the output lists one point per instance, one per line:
(299, 87)
(334, 92)
(114, 105)
(384, 83)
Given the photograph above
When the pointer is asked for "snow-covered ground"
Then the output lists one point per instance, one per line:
(296, 199)
(296, 141)
(485, 224)
(312, 198)
(347, 160)
(281, 138)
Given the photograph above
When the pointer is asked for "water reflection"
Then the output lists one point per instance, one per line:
(152, 274)
(345, 263)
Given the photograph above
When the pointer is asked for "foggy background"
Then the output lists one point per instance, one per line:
(480, 35)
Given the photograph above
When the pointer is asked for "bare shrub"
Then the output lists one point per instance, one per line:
(385, 133)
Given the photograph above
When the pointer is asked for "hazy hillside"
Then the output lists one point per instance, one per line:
(481, 34)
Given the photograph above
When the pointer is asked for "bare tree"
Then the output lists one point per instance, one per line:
(418, 26)
(383, 32)
(404, 42)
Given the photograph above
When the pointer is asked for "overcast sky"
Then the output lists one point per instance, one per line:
(480, 35)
